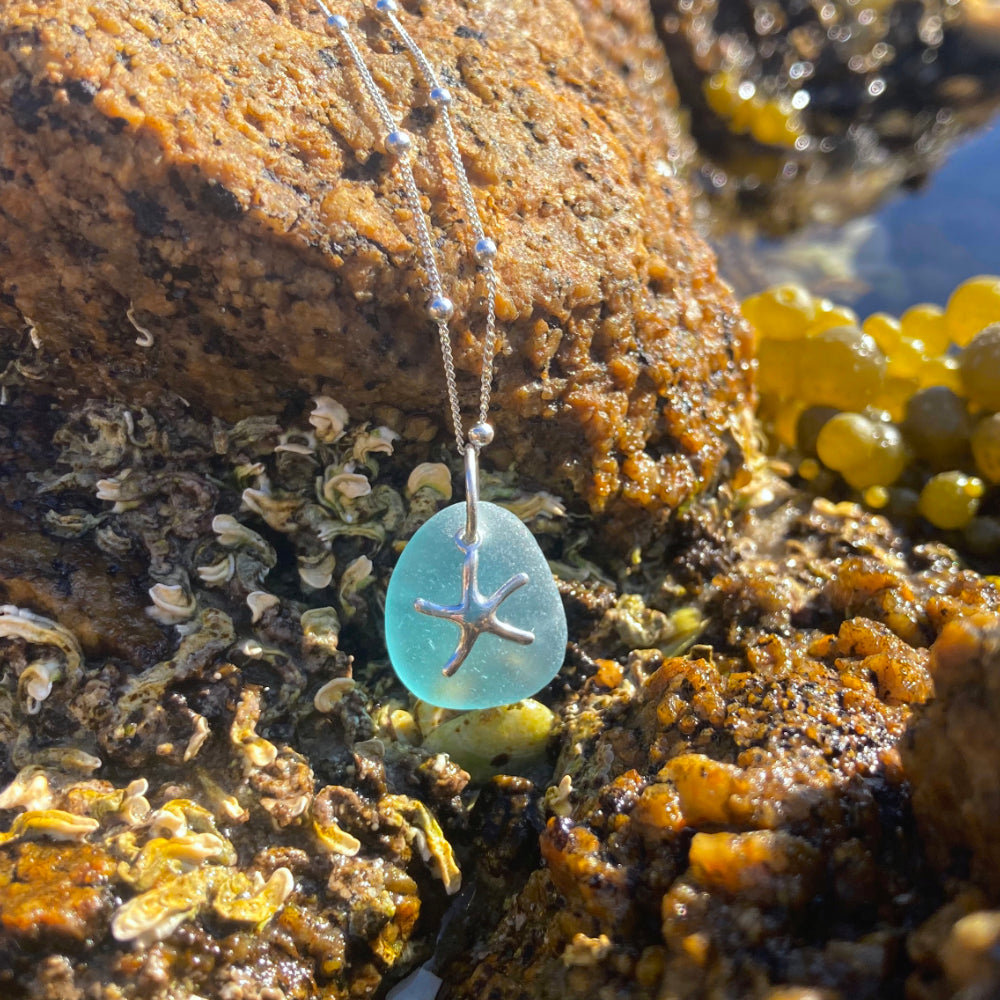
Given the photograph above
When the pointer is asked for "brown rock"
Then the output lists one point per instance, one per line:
(218, 168)
(951, 751)
(100, 601)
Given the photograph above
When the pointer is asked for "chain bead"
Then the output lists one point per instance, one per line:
(481, 434)
(441, 97)
(397, 143)
(484, 250)
(386, 6)
(440, 308)
(337, 21)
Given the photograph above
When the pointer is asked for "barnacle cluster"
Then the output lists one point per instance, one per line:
(266, 786)
(903, 411)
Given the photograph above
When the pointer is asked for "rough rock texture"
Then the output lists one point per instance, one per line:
(214, 171)
(951, 754)
(735, 822)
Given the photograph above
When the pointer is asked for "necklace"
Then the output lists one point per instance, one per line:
(474, 565)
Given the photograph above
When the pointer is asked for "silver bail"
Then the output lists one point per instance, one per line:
(471, 493)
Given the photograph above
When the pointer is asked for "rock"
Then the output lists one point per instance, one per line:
(950, 753)
(735, 821)
(214, 176)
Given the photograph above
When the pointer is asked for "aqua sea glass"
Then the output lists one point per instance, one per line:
(496, 670)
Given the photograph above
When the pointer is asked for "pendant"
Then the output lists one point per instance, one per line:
(473, 618)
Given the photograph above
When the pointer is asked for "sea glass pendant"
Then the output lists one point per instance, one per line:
(473, 619)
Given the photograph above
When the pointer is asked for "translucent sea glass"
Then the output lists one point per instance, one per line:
(496, 671)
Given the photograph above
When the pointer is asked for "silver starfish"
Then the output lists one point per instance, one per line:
(476, 614)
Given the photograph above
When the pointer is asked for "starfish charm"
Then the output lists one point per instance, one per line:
(476, 614)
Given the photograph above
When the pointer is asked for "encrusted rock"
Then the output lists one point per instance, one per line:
(215, 177)
(951, 751)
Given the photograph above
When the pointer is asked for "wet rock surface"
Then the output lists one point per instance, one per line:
(199, 200)
(736, 821)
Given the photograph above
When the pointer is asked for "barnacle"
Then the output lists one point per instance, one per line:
(329, 418)
(320, 629)
(434, 477)
(423, 830)
(332, 839)
(357, 575)
(158, 912)
(249, 899)
(49, 824)
(172, 603)
(36, 679)
(332, 692)
(260, 601)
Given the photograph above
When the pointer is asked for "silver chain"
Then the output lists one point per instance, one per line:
(397, 143)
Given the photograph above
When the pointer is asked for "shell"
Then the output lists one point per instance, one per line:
(156, 914)
(488, 741)
(176, 817)
(346, 482)
(29, 790)
(317, 571)
(332, 692)
(164, 857)
(557, 798)
(124, 494)
(256, 751)
(333, 840)
(49, 824)
(234, 534)
(321, 629)
(277, 512)
(198, 736)
(432, 476)
(172, 604)
(424, 832)
(217, 573)
(248, 901)
(259, 601)
(35, 683)
(19, 623)
(357, 575)
(539, 504)
(329, 418)
(378, 441)
(297, 442)
(134, 806)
